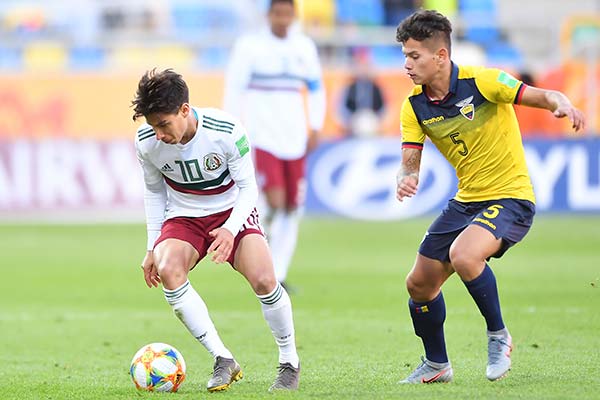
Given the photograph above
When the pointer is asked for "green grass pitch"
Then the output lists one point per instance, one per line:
(74, 309)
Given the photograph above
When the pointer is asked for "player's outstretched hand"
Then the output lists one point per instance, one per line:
(575, 116)
(150, 272)
(406, 186)
(221, 245)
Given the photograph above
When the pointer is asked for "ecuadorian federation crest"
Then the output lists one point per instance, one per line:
(467, 109)
(212, 162)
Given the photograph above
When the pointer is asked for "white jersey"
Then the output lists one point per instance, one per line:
(211, 173)
(263, 86)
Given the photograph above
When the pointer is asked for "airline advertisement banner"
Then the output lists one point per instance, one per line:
(352, 178)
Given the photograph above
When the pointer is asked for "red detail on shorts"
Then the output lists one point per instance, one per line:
(275, 173)
(203, 192)
(194, 230)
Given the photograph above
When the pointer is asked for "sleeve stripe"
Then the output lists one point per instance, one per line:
(149, 135)
(412, 145)
(520, 93)
(142, 132)
(215, 121)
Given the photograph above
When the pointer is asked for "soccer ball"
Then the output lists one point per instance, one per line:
(157, 367)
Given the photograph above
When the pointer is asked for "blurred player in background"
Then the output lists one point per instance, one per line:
(265, 78)
(467, 113)
(200, 194)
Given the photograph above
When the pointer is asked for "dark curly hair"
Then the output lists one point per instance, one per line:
(423, 25)
(159, 92)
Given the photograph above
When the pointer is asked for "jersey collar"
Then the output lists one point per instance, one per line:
(453, 86)
(183, 146)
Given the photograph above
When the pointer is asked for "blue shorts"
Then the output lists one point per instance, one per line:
(506, 219)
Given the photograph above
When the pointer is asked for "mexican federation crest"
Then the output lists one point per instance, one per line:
(467, 109)
(212, 162)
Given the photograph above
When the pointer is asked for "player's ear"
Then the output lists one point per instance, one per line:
(442, 55)
(185, 109)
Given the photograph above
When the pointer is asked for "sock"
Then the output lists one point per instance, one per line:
(485, 293)
(502, 333)
(191, 310)
(277, 310)
(428, 320)
(282, 241)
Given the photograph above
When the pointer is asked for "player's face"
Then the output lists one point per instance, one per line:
(421, 63)
(169, 128)
(281, 15)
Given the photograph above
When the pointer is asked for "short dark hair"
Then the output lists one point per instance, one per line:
(425, 24)
(273, 2)
(159, 92)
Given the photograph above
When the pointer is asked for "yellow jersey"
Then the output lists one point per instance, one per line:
(476, 130)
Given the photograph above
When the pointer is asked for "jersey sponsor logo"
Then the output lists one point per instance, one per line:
(485, 222)
(212, 162)
(507, 80)
(166, 168)
(467, 108)
(433, 120)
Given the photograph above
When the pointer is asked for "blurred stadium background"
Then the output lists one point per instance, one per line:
(73, 308)
(68, 70)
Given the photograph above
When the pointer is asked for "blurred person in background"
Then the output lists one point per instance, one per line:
(264, 84)
(396, 10)
(467, 113)
(200, 194)
(363, 103)
(533, 121)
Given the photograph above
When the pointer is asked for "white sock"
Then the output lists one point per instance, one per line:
(283, 238)
(502, 333)
(191, 310)
(277, 310)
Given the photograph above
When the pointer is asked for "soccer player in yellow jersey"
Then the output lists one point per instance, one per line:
(467, 113)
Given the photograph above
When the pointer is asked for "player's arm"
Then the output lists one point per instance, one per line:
(155, 201)
(554, 101)
(316, 100)
(500, 87)
(407, 178)
(242, 172)
(237, 77)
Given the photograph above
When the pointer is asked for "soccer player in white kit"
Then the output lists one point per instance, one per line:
(200, 194)
(264, 84)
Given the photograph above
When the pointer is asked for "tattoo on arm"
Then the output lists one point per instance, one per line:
(411, 163)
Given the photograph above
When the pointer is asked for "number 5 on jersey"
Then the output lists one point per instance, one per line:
(454, 137)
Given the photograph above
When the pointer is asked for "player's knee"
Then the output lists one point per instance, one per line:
(171, 270)
(415, 288)
(264, 284)
(462, 261)
(276, 199)
(277, 204)
(458, 261)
